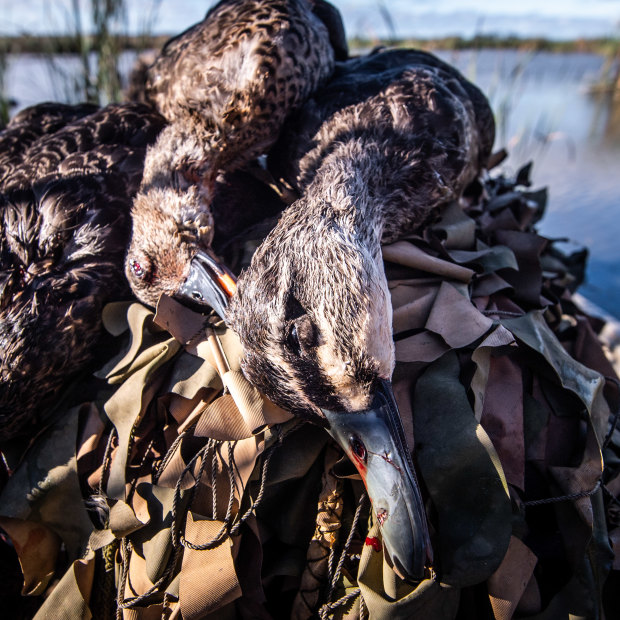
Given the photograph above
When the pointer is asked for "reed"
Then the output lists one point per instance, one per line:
(609, 79)
(5, 102)
(97, 36)
(108, 46)
(384, 11)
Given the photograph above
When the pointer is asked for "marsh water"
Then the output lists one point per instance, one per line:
(544, 113)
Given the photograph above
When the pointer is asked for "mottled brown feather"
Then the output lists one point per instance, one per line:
(226, 85)
(64, 224)
(374, 153)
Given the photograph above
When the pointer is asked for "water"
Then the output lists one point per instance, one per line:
(543, 114)
(32, 78)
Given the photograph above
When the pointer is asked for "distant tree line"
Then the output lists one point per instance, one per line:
(67, 44)
(605, 45)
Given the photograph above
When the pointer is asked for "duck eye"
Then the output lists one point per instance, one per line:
(137, 269)
(293, 340)
(303, 336)
(358, 448)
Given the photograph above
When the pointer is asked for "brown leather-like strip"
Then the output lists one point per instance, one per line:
(410, 255)
(214, 567)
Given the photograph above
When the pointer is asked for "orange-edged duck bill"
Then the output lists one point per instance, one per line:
(209, 283)
(374, 440)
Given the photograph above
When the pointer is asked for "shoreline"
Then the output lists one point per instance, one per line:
(67, 44)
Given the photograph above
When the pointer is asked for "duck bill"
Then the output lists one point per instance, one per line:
(209, 283)
(374, 440)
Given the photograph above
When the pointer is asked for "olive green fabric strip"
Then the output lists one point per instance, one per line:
(533, 331)
(128, 405)
(510, 581)
(428, 600)
(45, 488)
(462, 477)
(136, 375)
(497, 338)
(134, 318)
(410, 255)
(459, 229)
(38, 549)
(214, 565)
(456, 319)
(69, 599)
(488, 259)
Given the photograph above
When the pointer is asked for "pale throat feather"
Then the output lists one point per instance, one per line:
(344, 191)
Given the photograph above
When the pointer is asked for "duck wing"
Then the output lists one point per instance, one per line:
(407, 98)
(64, 226)
(331, 18)
(28, 125)
(240, 71)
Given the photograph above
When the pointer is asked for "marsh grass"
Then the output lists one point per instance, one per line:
(609, 79)
(98, 34)
(97, 79)
(5, 102)
(384, 11)
(503, 91)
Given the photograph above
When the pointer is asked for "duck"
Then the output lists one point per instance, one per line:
(69, 174)
(29, 124)
(226, 86)
(374, 154)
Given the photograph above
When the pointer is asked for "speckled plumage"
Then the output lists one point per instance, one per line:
(429, 128)
(244, 68)
(391, 138)
(64, 224)
(29, 125)
(226, 85)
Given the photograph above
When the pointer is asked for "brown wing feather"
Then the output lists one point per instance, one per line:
(240, 71)
(64, 224)
(28, 125)
(404, 100)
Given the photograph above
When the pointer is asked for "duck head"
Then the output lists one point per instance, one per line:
(313, 313)
(172, 226)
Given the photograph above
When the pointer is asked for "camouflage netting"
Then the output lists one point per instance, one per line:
(203, 499)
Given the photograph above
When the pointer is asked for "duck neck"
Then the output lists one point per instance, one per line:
(378, 189)
(179, 159)
(345, 194)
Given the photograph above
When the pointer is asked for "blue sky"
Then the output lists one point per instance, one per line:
(424, 18)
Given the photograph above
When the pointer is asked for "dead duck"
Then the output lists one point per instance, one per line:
(29, 125)
(226, 85)
(375, 153)
(64, 227)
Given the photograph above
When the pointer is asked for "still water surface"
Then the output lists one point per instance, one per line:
(543, 113)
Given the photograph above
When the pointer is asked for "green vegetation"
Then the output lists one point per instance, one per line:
(71, 44)
(5, 104)
(609, 80)
(97, 79)
(596, 46)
